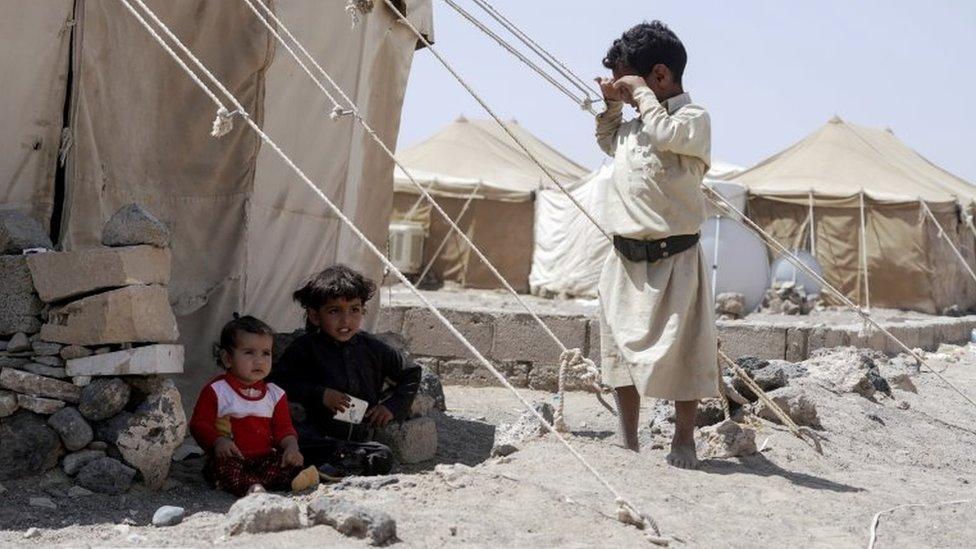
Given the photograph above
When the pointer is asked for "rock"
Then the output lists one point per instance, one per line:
(153, 433)
(103, 398)
(62, 275)
(262, 512)
(72, 463)
(31, 533)
(44, 370)
(98, 445)
(106, 476)
(27, 446)
(52, 361)
(74, 430)
(128, 315)
(728, 439)
(430, 395)
(33, 384)
(847, 370)
(353, 520)
(46, 503)
(81, 381)
(168, 515)
(75, 351)
(132, 225)
(412, 441)
(8, 403)
(902, 405)
(79, 492)
(797, 405)
(710, 412)
(151, 359)
(44, 348)
(730, 304)
(108, 431)
(15, 275)
(39, 405)
(186, 450)
(19, 343)
(19, 232)
(510, 437)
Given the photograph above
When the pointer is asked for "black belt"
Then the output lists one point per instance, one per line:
(653, 250)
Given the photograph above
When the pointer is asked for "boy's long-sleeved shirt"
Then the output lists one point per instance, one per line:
(255, 416)
(659, 161)
(315, 362)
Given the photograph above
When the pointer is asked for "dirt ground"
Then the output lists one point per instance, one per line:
(876, 456)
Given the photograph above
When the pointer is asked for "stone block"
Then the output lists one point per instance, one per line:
(825, 337)
(61, 275)
(796, 344)
(151, 359)
(39, 405)
(760, 340)
(390, 319)
(545, 377)
(132, 225)
(953, 331)
(473, 374)
(519, 337)
(75, 432)
(19, 232)
(413, 441)
(44, 348)
(427, 336)
(75, 351)
(906, 333)
(871, 338)
(127, 315)
(15, 277)
(33, 384)
(27, 446)
(44, 370)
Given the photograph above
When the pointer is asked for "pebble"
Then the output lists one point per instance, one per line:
(43, 502)
(31, 533)
(902, 405)
(79, 492)
(168, 515)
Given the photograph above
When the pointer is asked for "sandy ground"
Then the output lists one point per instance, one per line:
(877, 456)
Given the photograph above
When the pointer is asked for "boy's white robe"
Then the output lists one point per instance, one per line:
(657, 319)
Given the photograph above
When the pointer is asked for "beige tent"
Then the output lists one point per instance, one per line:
(136, 129)
(477, 158)
(828, 175)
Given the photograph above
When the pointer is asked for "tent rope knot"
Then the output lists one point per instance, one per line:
(357, 9)
(338, 112)
(628, 514)
(572, 362)
(224, 121)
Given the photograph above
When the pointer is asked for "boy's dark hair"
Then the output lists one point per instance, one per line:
(334, 282)
(230, 331)
(645, 45)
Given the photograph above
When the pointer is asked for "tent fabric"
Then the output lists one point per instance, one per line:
(909, 265)
(36, 40)
(466, 152)
(569, 250)
(245, 230)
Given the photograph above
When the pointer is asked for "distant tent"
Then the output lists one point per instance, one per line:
(245, 230)
(827, 173)
(569, 249)
(477, 158)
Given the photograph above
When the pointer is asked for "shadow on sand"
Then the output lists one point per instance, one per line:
(758, 465)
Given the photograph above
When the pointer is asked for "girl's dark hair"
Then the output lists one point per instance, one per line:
(230, 331)
(335, 282)
(646, 45)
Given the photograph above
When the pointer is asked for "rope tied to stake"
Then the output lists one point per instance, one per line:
(572, 362)
(628, 514)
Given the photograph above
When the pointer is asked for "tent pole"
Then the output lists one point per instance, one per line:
(864, 256)
(440, 248)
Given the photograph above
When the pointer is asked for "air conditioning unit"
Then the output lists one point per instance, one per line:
(407, 246)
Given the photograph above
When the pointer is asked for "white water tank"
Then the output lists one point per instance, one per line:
(737, 258)
(784, 270)
(733, 192)
(407, 246)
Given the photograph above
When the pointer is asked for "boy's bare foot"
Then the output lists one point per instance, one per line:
(255, 489)
(683, 455)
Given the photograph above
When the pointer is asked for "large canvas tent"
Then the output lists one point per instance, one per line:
(85, 80)
(569, 249)
(476, 158)
(827, 177)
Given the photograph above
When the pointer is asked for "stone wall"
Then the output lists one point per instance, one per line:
(84, 338)
(520, 349)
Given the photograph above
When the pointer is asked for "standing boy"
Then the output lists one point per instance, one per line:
(657, 326)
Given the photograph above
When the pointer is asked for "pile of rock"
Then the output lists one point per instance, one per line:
(86, 383)
(788, 298)
(730, 306)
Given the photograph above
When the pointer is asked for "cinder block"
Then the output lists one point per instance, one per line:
(953, 331)
(760, 340)
(61, 275)
(519, 337)
(906, 333)
(390, 319)
(413, 441)
(152, 359)
(472, 373)
(824, 337)
(872, 338)
(427, 336)
(15, 277)
(127, 315)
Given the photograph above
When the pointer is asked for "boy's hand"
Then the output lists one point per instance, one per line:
(379, 416)
(335, 401)
(291, 456)
(225, 448)
(606, 87)
(627, 85)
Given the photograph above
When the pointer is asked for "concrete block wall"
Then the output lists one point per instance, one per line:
(521, 350)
